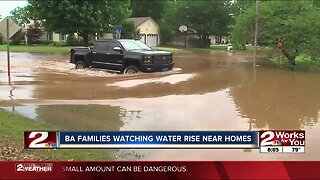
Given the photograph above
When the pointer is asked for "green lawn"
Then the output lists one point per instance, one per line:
(179, 49)
(12, 127)
(37, 48)
(66, 49)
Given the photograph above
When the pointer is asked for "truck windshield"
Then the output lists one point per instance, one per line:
(134, 45)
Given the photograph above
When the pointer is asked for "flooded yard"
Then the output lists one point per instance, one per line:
(205, 91)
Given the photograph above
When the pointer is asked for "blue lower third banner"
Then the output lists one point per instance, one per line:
(159, 139)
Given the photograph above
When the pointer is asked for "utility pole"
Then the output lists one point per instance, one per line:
(256, 35)
(8, 52)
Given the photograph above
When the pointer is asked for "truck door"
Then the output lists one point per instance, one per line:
(116, 57)
(100, 54)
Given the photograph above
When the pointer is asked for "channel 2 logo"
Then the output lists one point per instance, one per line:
(40, 140)
(282, 138)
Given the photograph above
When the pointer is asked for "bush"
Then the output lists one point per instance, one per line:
(34, 33)
(45, 42)
(239, 46)
(90, 43)
(72, 41)
(59, 43)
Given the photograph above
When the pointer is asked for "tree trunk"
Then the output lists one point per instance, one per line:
(290, 57)
(85, 37)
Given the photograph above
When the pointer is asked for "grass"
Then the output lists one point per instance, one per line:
(303, 63)
(12, 127)
(180, 49)
(36, 48)
(66, 49)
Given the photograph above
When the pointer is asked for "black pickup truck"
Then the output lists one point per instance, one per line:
(122, 55)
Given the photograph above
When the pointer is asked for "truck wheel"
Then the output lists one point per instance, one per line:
(131, 70)
(80, 65)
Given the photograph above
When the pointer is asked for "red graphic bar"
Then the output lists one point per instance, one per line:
(160, 170)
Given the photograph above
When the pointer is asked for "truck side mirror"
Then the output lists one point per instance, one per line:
(117, 48)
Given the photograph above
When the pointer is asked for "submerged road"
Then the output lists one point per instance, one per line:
(205, 91)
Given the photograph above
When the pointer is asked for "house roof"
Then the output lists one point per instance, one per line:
(140, 20)
(13, 27)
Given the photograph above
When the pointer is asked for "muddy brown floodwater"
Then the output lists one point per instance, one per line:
(206, 91)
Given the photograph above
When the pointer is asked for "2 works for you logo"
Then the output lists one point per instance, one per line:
(34, 167)
(282, 138)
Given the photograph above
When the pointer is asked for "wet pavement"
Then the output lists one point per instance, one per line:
(206, 91)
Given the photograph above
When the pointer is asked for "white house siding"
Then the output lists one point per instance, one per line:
(106, 36)
(150, 33)
(214, 40)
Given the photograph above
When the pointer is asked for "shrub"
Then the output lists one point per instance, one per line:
(59, 43)
(72, 41)
(239, 46)
(45, 42)
(34, 33)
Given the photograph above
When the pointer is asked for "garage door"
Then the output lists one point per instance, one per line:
(152, 40)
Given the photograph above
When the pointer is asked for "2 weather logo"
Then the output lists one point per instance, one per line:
(34, 167)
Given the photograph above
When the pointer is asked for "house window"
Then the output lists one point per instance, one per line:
(62, 36)
(50, 36)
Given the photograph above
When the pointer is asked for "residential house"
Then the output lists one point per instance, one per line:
(218, 39)
(149, 29)
(14, 29)
(50, 36)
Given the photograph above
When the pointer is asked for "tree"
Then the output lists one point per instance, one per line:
(168, 23)
(83, 17)
(205, 17)
(296, 23)
(130, 31)
(239, 6)
(144, 8)
(34, 33)
(20, 15)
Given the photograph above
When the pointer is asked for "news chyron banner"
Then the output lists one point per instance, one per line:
(268, 141)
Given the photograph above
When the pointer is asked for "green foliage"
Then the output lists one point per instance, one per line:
(297, 23)
(45, 42)
(239, 6)
(205, 17)
(153, 9)
(168, 23)
(59, 43)
(201, 17)
(72, 41)
(20, 15)
(130, 31)
(34, 33)
(83, 17)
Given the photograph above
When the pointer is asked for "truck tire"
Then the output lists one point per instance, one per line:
(131, 70)
(80, 65)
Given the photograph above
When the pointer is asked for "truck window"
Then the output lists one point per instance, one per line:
(111, 46)
(101, 46)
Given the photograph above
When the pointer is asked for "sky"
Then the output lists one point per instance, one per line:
(7, 6)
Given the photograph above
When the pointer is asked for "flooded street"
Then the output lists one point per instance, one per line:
(205, 91)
